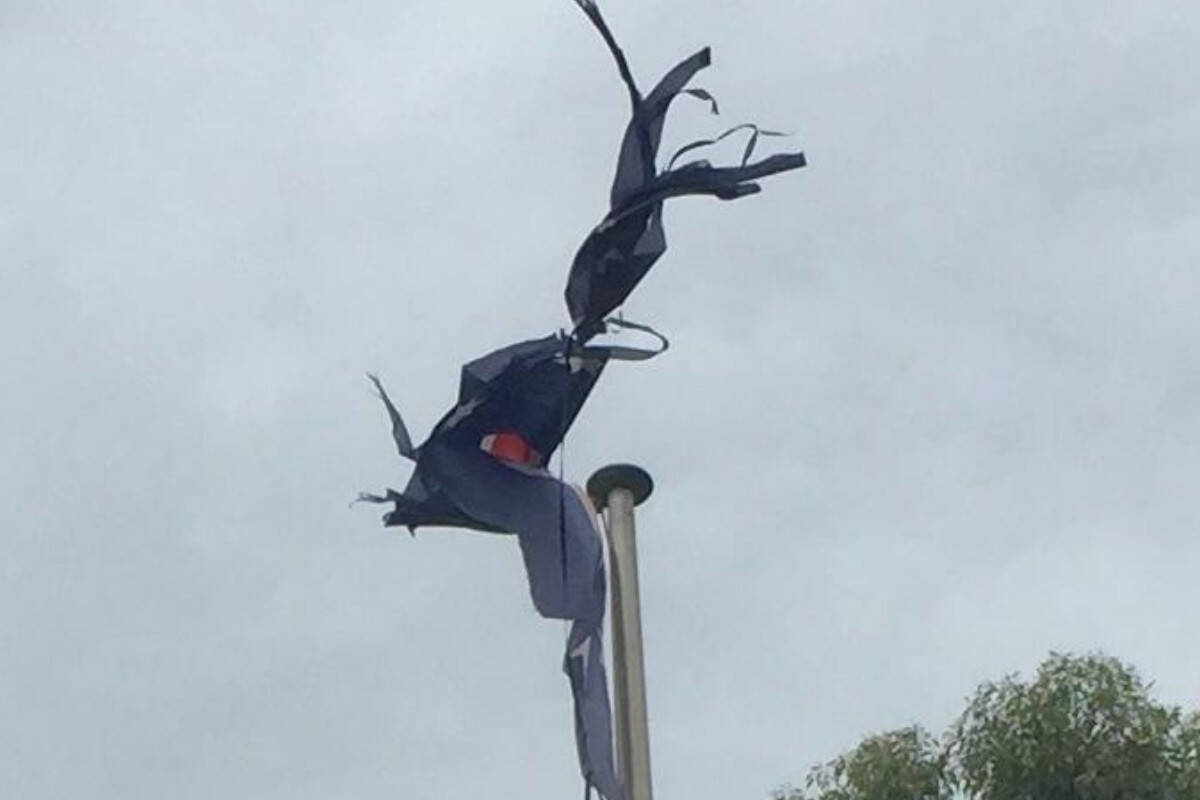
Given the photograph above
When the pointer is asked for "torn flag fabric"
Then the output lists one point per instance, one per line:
(514, 404)
(484, 467)
(621, 249)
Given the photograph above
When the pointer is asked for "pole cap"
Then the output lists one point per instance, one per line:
(619, 476)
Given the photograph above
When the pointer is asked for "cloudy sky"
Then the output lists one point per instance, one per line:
(932, 407)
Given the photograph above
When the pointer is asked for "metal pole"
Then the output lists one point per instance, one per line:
(620, 487)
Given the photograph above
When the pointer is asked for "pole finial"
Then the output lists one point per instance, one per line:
(619, 476)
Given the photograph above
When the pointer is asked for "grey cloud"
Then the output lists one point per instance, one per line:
(939, 390)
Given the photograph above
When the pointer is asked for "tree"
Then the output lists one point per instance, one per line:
(1084, 728)
(907, 764)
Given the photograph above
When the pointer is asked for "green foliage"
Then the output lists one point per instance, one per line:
(1184, 757)
(1084, 728)
(900, 765)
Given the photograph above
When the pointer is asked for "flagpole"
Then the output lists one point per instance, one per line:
(617, 488)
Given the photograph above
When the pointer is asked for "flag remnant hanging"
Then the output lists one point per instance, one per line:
(484, 466)
(630, 239)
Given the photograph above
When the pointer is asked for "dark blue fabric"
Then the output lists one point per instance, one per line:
(619, 252)
(533, 389)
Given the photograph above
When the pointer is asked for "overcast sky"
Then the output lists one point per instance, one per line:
(932, 407)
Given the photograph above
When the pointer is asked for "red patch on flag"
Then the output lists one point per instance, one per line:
(510, 447)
